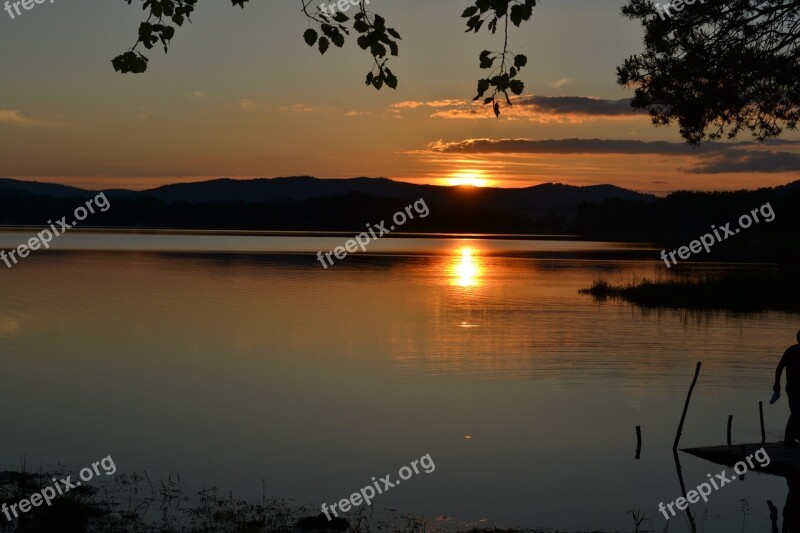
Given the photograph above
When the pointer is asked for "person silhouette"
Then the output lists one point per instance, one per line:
(791, 362)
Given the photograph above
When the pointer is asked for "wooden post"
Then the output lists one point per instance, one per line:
(763, 432)
(686, 407)
(638, 441)
(730, 425)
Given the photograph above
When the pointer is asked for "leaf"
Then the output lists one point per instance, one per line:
(378, 50)
(130, 62)
(520, 61)
(486, 60)
(340, 17)
(517, 87)
(517, 14)
(501, 82)
(496, 109)
(324, 44)
(338, 39)
(470, 11)
(500, 7)
(483, 86)
(391, 79)
(310, 36)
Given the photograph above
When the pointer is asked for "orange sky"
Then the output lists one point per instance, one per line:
(241, 95)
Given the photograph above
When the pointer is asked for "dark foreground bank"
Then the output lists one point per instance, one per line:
(135, 503)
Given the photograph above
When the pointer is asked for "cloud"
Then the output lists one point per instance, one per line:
(580, 105)
(560, 83)
(15, 118)
(254, 105)
(407, 105)
(540, 109)
(411, 104)
(298, 108)
(568, 146)
(709, 158)
(196, 94)
(356, 113)
(465, 113)
(751, 161)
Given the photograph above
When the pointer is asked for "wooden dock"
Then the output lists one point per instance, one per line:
(784, 460)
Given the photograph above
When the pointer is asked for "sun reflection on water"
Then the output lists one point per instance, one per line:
(466, 268)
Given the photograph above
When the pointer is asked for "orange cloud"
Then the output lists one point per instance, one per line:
(533, 108)
(411, 104)
(12, 117)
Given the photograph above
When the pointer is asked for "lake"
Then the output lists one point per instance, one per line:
(232, 358)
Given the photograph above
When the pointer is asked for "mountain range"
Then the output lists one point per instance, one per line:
(546, 197)
(311, 204)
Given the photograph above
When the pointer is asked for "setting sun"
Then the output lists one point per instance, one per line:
(472, 178)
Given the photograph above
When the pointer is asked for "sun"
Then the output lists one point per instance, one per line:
(471, 178)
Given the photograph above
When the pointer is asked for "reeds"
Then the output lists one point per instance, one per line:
(740, 291)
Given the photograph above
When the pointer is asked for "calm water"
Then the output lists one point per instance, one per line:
(230, 362)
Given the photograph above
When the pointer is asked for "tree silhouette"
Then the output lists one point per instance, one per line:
(717, 66)
(373, 36)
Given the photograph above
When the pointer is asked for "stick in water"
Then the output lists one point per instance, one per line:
(686, 407)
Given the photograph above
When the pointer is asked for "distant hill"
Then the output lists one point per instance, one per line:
(43, 189)
(603, 212)
(304, 187)
(295, 188)
(540, 200)
(305, 203)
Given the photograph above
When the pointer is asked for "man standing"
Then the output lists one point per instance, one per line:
(791, 362)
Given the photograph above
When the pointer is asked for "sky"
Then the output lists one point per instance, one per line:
(241, 95)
